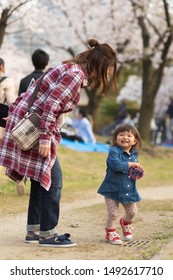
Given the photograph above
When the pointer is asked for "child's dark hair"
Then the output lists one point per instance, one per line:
(98, 59)
(40, 59)
(129, 128)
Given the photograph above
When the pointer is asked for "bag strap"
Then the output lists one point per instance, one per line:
(2, 78)
(31, 101)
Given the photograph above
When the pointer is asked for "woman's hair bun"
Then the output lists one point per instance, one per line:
(93, 43)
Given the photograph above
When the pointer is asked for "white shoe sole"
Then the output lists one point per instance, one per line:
(128, 238)
(32, 242)
(119, 242)
(58, 246)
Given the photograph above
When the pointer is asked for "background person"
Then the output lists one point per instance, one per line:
(40, 60)
(122, 116)
(82, 129)
(7, 93)
(59, 93)
(169, 113)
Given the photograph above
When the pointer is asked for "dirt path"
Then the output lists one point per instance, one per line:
(85, 221)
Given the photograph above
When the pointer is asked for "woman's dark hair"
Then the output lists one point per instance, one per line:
(1, 61)
(129, 128)
(40, 59)
(98, 59)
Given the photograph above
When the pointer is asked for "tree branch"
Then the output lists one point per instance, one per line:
(167, 15)
(17, 7)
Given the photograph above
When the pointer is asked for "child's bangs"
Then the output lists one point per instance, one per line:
(126, 127)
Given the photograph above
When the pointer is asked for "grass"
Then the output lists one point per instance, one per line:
(82, 175)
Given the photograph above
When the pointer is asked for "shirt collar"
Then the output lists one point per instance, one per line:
(132, 152)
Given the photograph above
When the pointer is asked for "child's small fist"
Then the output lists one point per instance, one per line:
(136, 172)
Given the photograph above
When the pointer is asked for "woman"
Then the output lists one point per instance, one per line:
(59, 93)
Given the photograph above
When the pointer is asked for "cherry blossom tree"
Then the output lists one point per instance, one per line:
(132, 91)
(10, 12)
(140, 32)
(154, 20)
(63, 34)
(102, 20)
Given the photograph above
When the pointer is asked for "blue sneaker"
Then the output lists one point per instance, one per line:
(31, 237)
(59, 241)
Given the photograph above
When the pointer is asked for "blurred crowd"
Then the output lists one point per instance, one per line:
(161, 123)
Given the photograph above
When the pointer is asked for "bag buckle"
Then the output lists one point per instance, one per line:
(30, 130)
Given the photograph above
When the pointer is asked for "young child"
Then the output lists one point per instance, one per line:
(118, 186)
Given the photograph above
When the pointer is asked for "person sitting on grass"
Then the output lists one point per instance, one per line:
(81, 129)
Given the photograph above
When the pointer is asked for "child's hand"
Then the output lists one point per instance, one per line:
(136, 173)
(134, 164)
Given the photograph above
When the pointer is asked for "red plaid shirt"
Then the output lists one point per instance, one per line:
(59, 93)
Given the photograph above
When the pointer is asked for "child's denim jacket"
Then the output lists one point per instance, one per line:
(117, 184)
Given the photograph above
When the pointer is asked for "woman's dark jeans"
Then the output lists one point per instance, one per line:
(44, 208)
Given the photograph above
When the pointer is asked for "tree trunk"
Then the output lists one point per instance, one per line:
(3, 24)
(146, 114)
(93, 106)
(152, 79)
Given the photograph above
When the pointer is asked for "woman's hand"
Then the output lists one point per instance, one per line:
(5, 119)
(44, 150)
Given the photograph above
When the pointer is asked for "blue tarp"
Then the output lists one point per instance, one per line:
(167, 145)
(85, 147)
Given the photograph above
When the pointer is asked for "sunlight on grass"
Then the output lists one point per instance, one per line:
(157, 171)
(84, 172)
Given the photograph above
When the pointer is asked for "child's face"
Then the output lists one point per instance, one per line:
(126, 140)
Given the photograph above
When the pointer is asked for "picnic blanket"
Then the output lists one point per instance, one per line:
(85, 147)
(167, 145)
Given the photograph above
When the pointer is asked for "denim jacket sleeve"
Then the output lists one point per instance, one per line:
(117, 161)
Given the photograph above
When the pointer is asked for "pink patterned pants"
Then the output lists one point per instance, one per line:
(113, 211)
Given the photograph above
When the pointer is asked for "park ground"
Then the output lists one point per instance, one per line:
(84, 220)
(83, 212)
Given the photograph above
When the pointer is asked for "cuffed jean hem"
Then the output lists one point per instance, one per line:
(48, 233)
(33, 227)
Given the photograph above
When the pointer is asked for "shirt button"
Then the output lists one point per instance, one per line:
(127, 194)
(129, 157)
(128, 186)
(128, 176)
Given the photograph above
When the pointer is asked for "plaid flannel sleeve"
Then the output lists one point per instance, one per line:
(63, 98)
